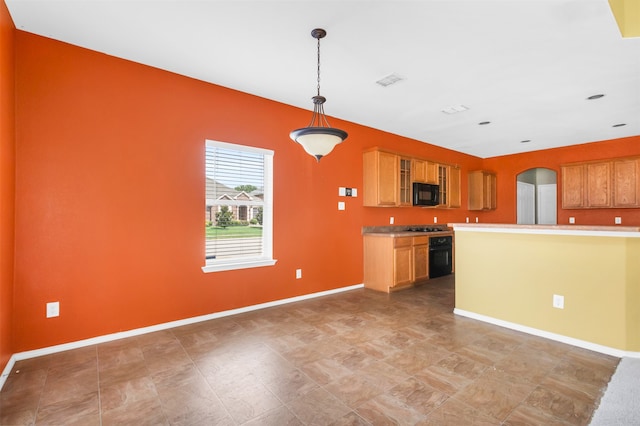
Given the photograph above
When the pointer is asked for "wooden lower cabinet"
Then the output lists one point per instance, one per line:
(420, 258)
(392, 263)
(402, 262)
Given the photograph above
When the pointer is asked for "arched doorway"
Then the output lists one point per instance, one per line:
(537, 197)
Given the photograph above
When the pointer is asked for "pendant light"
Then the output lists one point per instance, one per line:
(318, 138)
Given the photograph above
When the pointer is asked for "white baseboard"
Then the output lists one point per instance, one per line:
(7, 370)
(164, 326)
(548, 335)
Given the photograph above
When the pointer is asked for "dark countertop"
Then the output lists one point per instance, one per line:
(403, 231)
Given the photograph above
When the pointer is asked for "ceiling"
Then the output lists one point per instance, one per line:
(525, 66)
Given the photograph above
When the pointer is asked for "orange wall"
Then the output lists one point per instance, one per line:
(509, 166)
(110, 196)
(7, 181)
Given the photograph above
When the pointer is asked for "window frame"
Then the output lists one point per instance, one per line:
(266, 259)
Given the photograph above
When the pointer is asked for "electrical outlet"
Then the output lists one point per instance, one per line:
(572, 220)
(341, 205)
(298, 274)
(53, 309)
(476, 219)
(435, 219)
(558, 301)
(618, 220)
(342, 191)
(467, 220)
(354, 192)
(391, 220)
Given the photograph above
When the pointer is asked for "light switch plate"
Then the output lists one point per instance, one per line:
(53, 309)
(558, 301)
(342, 191)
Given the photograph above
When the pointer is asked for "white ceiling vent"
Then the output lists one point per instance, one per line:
(455, 109)
(389, 80)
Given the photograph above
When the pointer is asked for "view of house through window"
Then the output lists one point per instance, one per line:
(238, 187)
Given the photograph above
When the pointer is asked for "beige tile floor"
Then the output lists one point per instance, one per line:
(354, 358)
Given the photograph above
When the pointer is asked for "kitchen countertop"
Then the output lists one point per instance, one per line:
(402, 231)
(586, 230)
(408, 233)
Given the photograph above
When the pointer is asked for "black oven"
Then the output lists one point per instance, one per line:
(440, 256)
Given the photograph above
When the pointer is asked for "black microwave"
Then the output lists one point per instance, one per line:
(426, 194)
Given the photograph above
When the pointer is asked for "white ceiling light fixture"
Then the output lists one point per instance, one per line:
(318, 138)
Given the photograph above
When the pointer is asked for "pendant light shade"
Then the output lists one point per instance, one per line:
(318, 138)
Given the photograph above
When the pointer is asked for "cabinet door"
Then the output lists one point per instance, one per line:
(419, 170)
(454, 187)
(482, 190)
(402, 262)
(432, 172)
(626, 183)
(424, 171)
(573, 178)
(403, 266)
(443, 182)
(405, 187)
(599, 184)
(421, 262)
(381, 178)
(449, 181)
(476, 190)
(490, 191)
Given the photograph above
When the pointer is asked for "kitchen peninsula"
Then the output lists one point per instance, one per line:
(577, 284)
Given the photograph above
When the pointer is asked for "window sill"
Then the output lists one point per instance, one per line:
(231, 265)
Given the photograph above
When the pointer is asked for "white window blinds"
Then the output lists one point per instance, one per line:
(238, 213)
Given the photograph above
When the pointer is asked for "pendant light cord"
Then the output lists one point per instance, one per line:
(318, 66)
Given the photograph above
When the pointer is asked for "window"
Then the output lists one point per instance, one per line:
(239, 207)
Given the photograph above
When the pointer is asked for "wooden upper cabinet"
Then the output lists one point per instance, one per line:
(388, 179)
(449, 182)
(573, 182)
(601, 184)
(381, 181)
(482, 190)
(424, 171)
(626, 182)
(405, 187)
(455, 197)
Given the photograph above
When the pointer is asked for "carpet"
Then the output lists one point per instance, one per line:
(620, 404)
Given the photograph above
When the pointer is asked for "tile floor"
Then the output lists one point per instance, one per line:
(354, 358)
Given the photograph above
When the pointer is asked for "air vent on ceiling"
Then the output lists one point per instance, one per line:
(455, 109)
(389, 80)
